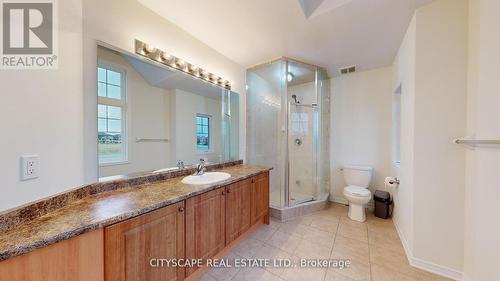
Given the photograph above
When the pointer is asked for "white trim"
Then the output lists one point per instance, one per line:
(105, 164)
(408, 253)
(465, 277)
(425, 265)
(436, 269)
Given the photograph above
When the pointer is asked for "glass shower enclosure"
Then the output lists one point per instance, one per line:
(288, 115)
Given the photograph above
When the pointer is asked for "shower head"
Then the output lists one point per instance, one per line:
(294, 97)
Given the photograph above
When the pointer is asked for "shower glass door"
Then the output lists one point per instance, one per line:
(288, 113)
(266, 125)
(302, 148)
(302, 133)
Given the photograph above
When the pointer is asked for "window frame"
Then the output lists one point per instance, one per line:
(122, 103)
(210, 135)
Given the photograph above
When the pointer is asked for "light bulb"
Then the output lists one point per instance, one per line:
(289, 77)
(148, 48)
(166, 56)
(193, 68)
(181, 63)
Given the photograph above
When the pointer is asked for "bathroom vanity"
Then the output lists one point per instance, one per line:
(118, 234)
(150, 115)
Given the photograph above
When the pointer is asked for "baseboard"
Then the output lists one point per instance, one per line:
(288, 213)
(339, 200)
(437, 269)
(425, 265)
(408, 252)
(465, 277)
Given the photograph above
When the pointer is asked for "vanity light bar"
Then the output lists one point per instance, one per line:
(150, 52)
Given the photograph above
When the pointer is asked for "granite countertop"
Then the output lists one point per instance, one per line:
(107, 208)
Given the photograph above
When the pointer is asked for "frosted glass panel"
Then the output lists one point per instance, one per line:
(230, 126)
(324, 133)
(265, 128)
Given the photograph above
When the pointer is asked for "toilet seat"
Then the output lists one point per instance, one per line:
(357, 191)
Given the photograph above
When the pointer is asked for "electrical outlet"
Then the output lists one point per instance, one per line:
(30, 165)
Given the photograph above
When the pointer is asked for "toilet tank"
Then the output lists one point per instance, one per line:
(358, 175)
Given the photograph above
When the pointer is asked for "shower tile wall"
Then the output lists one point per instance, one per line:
(302, 182)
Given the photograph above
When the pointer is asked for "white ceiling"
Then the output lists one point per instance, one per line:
(328, 33)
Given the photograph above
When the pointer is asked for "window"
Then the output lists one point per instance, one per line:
(299, 123)
(202, 133)
(111, 112)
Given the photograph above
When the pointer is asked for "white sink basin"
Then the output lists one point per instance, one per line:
(206, 178)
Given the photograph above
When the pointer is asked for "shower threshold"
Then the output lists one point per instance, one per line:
(299, 209)
(294, 201)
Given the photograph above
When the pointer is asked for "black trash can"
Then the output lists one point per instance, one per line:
(383, 204)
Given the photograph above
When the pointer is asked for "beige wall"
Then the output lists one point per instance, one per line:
(432, 67)
(130, 20)
(42, 114)
(361, 126)
(482, 227)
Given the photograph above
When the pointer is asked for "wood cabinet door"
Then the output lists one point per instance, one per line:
(260, 197)
(205, 226)
(130, 245)
(238, 208)
(80, 258)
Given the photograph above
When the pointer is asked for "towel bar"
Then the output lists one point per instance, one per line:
(150, 140)
(473, 141)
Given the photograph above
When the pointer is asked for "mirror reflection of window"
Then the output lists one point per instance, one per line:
(111, 110)
(202, 133)
(151, 116)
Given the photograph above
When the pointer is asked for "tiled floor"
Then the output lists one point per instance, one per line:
(373, 248)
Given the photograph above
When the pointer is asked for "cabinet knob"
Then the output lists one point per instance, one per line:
(223, 193)
(229, 191)
(253, 180)
(181, 209)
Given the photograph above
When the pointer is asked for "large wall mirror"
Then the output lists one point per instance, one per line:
(151, 116)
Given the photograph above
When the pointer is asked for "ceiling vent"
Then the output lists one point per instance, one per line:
(347, 69)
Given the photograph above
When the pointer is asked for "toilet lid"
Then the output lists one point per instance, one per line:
(357, 190)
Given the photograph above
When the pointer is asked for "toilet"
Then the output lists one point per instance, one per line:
(356, 192)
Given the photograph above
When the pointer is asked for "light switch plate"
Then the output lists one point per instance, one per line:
(30, 165)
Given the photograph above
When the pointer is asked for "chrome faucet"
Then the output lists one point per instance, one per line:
(180, 164)
(200, 168)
